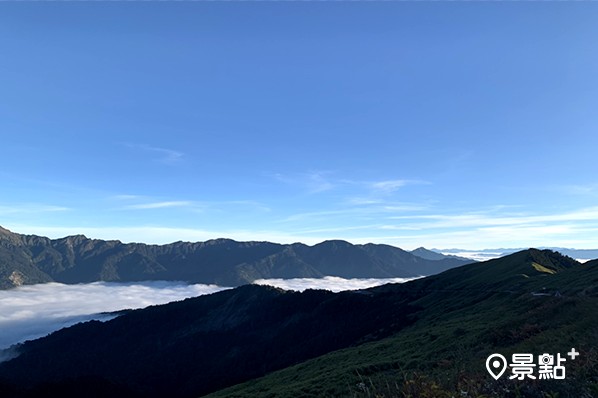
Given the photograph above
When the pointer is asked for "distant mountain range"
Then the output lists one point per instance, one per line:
(428, 337)
(435, 255)
(29, 259)
(488, 254)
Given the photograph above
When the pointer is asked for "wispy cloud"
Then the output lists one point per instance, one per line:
(338, 230)
(385, 188)
(485, 238)
(125, 197)
(362, 191)
(161, 205)
(317, 182)
(325, 214)
(11, 209)
(413, 226)
(358, 209)
(148, 203)
(246, 203)
(162, 155)
(484, 220)
(361, 201)
(388, 186)
(496, 229)
(311, 182)
(590, 189)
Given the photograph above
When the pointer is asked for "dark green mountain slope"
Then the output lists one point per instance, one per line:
(467, 314)
(429, 337)
(506, 274)
(28, 259)
(16, 267)
(199, 345)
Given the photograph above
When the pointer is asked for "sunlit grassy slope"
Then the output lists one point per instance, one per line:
(529, 302)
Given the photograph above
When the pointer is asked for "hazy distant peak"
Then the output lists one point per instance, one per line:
(334, 243)
(433, 255)
(428, 254)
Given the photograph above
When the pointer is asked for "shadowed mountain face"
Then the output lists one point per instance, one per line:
(28, 259)
(466, 314)
(204, 344)
(200, 345)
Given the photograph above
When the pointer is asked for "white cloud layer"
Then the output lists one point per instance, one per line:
(29, 312)
(475, 255)
(332, 283)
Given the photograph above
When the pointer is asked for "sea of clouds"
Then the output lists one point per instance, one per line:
(332, 283)
(33, 311)
(29, 312)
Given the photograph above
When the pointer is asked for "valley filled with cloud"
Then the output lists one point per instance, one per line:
(30, 312)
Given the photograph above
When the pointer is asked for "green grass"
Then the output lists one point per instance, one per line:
(541, 268)
(440, 354)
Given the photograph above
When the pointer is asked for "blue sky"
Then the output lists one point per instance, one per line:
(460, 124)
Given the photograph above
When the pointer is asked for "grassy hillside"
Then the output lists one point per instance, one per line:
(469, 313)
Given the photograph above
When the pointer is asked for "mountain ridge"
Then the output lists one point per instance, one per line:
(30, 259)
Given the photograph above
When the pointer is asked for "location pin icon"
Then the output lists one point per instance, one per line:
(496, 365)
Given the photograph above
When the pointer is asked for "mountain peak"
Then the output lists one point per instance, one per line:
(427, 254)
(4, 230)
(10, 237)
(533, 262)
(76, 238)
(550, 261)
(334, 242)
(507, 273)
